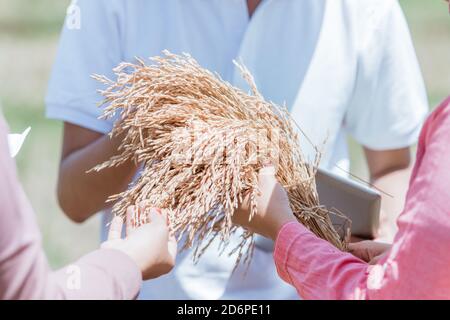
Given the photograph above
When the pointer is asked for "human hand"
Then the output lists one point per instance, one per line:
(151, 245)
(369, 251)
(272, 205)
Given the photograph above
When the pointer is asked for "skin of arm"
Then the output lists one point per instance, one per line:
(82, 194)
(390, 171)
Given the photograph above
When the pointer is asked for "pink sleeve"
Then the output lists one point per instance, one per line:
(417, 266)
(24, 271)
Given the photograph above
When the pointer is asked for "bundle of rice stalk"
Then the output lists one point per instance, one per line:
(201, 142)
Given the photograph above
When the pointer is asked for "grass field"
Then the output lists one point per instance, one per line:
(28, 39)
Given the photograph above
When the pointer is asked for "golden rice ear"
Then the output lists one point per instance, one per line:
(201, 142)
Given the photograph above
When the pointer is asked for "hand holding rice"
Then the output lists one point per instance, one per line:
(201, 143)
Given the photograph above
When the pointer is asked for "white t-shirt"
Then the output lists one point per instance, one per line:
(341, 66)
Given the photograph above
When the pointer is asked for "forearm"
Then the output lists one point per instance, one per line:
(82, 194)
(389, 172)
(393, 186)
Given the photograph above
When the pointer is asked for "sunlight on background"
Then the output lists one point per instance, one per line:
(28, 39)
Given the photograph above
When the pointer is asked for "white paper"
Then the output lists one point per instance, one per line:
(15, 142)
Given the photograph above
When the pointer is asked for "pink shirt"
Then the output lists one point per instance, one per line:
(417, 266)
(24, 271)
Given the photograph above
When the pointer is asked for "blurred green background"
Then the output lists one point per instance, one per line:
(28, 40)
